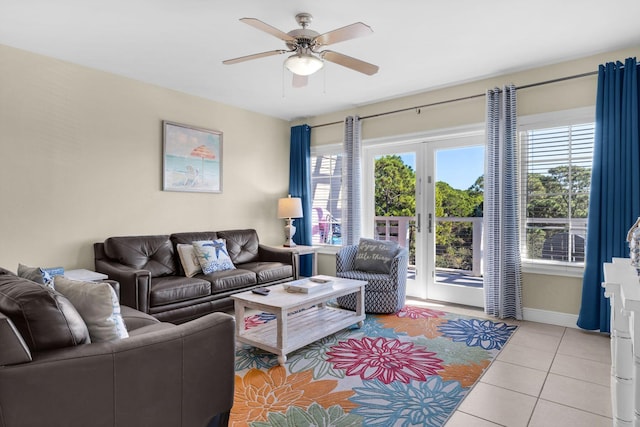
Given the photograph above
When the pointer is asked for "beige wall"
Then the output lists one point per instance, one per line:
(564, 95)
(81, 158)
(542, 292)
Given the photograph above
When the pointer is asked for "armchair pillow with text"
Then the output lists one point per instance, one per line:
(383, 264)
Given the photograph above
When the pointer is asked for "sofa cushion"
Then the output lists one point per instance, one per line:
(376, 282)
(269, 271)
(98, 305)
(135, 319)
(187, 238)
(375, 255)
(170, 289)
(229, 280)
(213, 255)
(35, 274)
(188, 260)
(44, 317)
(152, 253)
(241, 244)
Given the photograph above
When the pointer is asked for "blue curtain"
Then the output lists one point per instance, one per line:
(300, 186)
(614, 203)
(502, 277)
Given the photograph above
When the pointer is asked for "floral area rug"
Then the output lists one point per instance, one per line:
(412, 368)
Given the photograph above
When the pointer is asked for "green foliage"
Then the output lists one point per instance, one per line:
(559, 193)
(395, 187)
(458, 203)
(553, 194)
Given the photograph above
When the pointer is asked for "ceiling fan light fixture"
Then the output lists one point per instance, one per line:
(303, 64)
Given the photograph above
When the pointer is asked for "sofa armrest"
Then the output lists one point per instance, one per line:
(14, 349)
(135, 285)
(269, 253)
(346, 258)
(399, 266)
(176, 375)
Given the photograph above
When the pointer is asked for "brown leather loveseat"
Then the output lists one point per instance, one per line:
(162, 375)
(153, 281)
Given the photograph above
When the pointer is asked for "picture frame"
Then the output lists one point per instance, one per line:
(191, 158)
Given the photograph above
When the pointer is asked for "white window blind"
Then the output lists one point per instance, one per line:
(326, 186)
(556, 175)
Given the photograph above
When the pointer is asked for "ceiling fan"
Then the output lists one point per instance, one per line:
(305, 44)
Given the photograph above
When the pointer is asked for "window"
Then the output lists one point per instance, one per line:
(556, 179)
(326, 189)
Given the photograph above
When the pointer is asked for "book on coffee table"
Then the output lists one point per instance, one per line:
(309, 285)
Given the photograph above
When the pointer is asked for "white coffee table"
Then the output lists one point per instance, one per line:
(294, 327)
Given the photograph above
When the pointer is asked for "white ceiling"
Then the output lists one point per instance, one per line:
(418, 44)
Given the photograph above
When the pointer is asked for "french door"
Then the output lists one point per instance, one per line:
(427, 196)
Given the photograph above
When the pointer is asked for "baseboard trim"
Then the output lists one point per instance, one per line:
(551, 317)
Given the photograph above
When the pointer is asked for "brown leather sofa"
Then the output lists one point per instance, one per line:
(163, 375)
(152, 279)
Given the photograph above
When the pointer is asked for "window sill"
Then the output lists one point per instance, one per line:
(553, 269)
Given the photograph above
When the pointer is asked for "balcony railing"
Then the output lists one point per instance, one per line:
(459, 240)
(459, 249)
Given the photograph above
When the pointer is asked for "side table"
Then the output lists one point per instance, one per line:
(304, 250)
(85, 275)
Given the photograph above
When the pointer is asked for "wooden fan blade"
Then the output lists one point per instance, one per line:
(254, 56)
(349, 62)
(300, 81)
(256, 23)
(345, 33)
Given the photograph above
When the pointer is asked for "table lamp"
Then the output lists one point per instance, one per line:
(289, 208)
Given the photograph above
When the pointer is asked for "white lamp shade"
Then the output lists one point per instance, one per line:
(303, 64)
(290, 207)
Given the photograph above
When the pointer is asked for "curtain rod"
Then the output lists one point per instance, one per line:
(464, 98)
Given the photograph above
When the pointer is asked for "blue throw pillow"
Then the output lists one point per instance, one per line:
(212, 255)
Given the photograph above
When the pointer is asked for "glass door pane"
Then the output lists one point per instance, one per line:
(457, 217)
(390, 207)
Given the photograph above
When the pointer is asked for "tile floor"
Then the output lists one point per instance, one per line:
(545, 376)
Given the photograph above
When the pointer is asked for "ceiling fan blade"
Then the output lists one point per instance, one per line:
(349, 62)
(254, 56)
(299, 81)
(345, 33)
(256, 23)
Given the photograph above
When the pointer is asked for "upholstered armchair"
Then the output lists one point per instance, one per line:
(384, 292)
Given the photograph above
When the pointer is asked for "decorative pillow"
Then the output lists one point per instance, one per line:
(98, 305)
(35, 274)
(213, 255)
(189, 260)
(375, 255)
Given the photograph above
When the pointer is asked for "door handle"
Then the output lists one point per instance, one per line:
(430, 223)
(418, 223)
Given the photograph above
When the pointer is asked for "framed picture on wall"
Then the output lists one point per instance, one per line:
(192, 158)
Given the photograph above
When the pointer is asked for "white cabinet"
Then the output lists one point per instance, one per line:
(622, 287)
